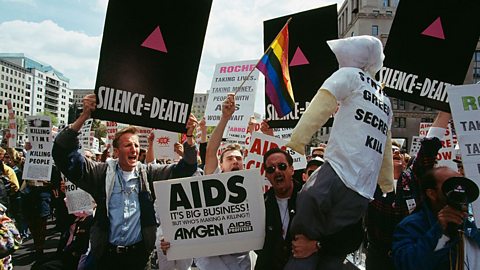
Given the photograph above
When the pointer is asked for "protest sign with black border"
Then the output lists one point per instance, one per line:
(423, 56)
(311, 61)
(211, 215)
(149, 62)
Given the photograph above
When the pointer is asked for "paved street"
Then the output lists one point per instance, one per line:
(24, 257)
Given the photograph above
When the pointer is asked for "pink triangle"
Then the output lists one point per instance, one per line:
(155, 41)
(299, 58)
(435, 30)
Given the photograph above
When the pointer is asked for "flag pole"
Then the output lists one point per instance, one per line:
(268, 48)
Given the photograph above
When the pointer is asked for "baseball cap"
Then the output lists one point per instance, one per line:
(318, 161)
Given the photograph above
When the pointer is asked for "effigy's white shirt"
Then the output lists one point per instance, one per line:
(359, 133)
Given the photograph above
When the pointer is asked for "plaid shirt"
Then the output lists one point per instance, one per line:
(386, 211)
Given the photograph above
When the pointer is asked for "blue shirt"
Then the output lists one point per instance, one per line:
(416, 237)
(124, 209)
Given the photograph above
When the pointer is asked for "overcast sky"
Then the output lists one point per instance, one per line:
(67, 33)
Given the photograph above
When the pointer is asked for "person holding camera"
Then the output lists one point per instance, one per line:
(439, 235)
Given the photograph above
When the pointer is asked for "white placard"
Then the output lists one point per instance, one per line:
(465, 104)
(85, 133)
(211, 215)
(163, 144)
(227, 79)
(38, 162)
(446, 154)
(143, 133)
(95, 143)
(112, 128)
(283, 133)
(415, 146)
(77, 200)
(12, 125)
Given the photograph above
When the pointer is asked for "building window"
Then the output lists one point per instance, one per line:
(400, 122)
(398, 104)
(374, 30)
(386, 3)
(346, 16)
(476, 67)
(427, 120)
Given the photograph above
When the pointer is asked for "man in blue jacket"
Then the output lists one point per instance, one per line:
(124, 230)
(425, 240)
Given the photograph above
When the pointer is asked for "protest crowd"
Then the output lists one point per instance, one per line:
(126, 208)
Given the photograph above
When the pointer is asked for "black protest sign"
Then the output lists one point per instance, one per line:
(311, 61)
(149, 62)
(426, 54)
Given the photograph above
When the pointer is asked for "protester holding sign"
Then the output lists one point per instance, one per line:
(280, 208)
(124, 229)
(231, 160)
(359, 147)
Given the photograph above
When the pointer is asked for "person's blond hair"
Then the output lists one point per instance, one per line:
(131, 129)
(14, 155)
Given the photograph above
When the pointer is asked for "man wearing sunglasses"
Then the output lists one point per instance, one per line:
(280, 209)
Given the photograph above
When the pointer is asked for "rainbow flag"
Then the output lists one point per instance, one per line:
(274, 65)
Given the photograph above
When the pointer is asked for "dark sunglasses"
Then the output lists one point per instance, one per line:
(280, 166)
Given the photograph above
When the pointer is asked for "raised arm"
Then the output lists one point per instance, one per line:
(89, 104)
(203, 141)
(188, 164)
(68, 160)
(211, 160)
(150, 157)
